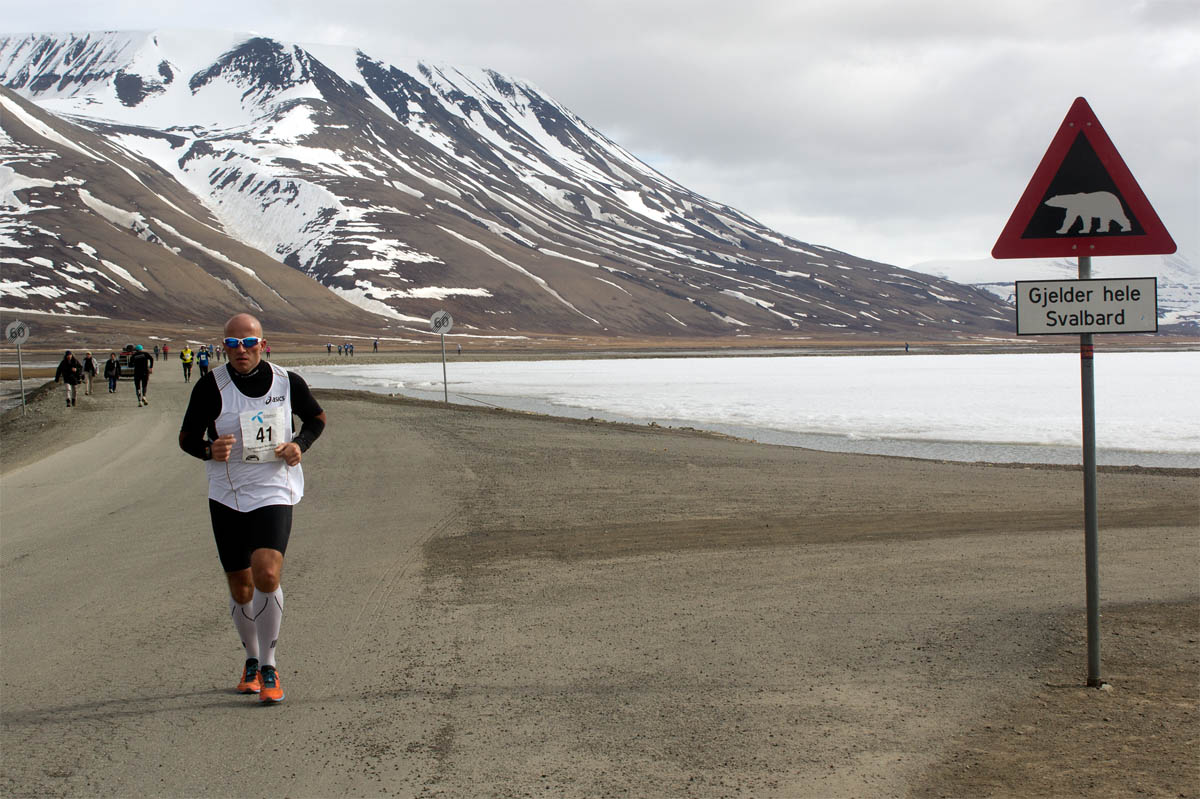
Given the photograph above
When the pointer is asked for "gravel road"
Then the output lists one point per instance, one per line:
(485, 603)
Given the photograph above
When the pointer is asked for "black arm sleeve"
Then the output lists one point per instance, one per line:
(305, 405)
(200, 418)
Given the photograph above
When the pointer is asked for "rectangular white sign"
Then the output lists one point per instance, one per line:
(1112, 305)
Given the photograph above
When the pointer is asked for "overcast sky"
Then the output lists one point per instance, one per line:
(898, 131)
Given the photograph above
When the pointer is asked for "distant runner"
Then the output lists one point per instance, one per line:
(89, 372)
(143, 367)
(186, 356)
(70, 373)
(112, 372)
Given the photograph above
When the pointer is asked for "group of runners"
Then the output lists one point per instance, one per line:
(345, 349)
(140, 362)
(72, 373)
(201, 358)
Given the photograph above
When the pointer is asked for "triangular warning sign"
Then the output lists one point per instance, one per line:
(1082, 200)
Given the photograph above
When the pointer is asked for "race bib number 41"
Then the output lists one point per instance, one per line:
(262, 432)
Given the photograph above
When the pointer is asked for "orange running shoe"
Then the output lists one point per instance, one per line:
(251, 678)
(272, 690)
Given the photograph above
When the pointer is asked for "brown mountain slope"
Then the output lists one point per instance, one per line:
(132, 243)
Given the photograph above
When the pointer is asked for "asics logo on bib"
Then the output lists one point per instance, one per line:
(274, 399)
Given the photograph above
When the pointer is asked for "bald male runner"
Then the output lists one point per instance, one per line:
(239, 421)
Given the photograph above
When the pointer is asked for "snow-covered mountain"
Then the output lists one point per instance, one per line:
(1178, 279)
(172, 175)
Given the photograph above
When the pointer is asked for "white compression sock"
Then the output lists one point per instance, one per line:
(246, 630)
(268, 615)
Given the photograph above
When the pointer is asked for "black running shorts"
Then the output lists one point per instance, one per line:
(239, 533)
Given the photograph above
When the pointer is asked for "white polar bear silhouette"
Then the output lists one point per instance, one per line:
(1086, 206)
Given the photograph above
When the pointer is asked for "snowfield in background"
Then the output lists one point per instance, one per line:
(1145, 402)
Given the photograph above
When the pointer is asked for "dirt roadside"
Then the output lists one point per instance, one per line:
(491, 603)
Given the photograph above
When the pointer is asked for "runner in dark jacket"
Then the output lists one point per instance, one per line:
(143, 366)
(70, 373)
(112, 372)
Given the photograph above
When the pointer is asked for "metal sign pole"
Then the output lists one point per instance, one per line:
(1082, 166)
(17, 334)
(440, 323)
(445, 387)
(1091, 525)
(21, 378)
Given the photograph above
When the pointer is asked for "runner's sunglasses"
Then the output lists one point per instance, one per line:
(248, 342)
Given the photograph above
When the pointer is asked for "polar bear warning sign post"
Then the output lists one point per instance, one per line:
(1083, 202)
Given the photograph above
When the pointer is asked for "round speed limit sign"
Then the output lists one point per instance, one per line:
(17, 333)
(441, 322)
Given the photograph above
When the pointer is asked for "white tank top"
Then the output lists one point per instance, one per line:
(253, 477)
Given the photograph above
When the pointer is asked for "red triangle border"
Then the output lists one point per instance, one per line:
(1155, 239)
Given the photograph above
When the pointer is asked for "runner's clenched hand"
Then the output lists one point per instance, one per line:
(222, 447)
